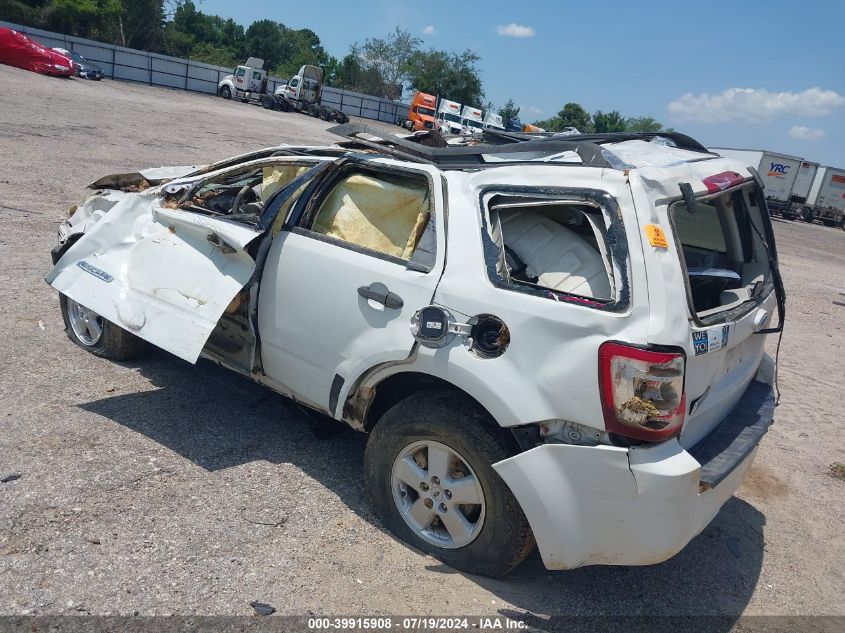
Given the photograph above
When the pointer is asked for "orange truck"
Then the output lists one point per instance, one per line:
(421, 113)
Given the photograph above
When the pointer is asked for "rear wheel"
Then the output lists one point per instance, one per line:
(807, 215)
(428, 468)
(325, 113)
(268, 102)
(828, 222)
(340, 117)
(314, 110)
(92, 332)
(226, 92)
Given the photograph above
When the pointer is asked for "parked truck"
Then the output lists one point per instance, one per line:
(778, 172)
(301, 94)
(493, 121)
(826, 198)
(472, 120)
(449, 117)
(421, 114)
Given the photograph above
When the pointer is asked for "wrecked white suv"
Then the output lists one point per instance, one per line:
(548, 340)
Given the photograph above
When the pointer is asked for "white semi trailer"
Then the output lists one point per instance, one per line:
(778, 172)
(826, 199)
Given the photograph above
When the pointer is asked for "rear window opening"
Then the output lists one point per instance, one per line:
(724, 251)
(555, 245)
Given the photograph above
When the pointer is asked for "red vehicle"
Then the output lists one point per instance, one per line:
(16, 49)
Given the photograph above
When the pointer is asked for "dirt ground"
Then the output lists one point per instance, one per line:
(164, 488)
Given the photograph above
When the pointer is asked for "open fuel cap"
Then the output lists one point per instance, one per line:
(435, 327)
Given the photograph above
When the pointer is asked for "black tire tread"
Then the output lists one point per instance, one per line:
(423, 415)
(115, 344)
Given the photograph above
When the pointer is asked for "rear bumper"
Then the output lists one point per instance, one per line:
(605, 505)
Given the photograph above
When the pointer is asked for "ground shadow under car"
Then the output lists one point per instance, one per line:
(217, 420)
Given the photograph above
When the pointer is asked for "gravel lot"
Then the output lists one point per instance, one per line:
(160, 487)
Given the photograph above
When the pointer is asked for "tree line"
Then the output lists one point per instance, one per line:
(574, 115)
(380, 66)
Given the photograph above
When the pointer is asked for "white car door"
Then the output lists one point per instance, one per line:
(337, 296)
(167, 274)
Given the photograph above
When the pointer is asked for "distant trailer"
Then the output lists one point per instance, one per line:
(826, 199)
(778, 172)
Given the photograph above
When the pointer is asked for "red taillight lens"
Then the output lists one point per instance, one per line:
(642, 391)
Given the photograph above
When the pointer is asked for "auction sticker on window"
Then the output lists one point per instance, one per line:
(710, 340)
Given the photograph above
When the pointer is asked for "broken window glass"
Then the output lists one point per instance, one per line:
(552, 244)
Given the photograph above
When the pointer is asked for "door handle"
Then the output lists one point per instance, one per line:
(379, 293)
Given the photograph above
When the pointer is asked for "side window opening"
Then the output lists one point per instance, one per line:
(723, 250)
(241, 194)
(241, 72)
(557, 245)
(388, 213)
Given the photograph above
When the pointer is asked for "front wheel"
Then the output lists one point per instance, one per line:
(226, 92)
(95, 334)
(429, 475)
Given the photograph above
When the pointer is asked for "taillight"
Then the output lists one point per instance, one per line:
(642, 391)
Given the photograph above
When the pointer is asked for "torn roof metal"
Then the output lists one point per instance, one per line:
(590, 148)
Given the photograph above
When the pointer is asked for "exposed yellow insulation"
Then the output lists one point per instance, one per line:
(378, 215)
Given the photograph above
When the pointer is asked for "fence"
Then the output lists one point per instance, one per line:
(128, 64)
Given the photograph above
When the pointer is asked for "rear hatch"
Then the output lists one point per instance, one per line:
(712, 282)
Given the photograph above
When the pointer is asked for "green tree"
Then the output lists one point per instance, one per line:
(450, 75)
(26, 12)
(644, 124)
(389, 57)
(352, 75)
(572, 115)
(509, 111)
(608, 122)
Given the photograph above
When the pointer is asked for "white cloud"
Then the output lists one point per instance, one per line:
(530, 109)
(753, 105)
(805, 133)
(429, 30)
(515, 30)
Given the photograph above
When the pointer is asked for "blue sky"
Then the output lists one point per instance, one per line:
(764, 74)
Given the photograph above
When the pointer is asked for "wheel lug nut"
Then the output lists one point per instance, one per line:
(443, 507)
(435, 480)
(423, 486)
(428, 503)
(447, 494)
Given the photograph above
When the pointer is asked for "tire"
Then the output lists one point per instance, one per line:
(444, 421)
(325, 113)
(226, 92)
(828, 222)
(807, 215)
(340, 117)
(842, 223)
(268, 102)
(314, 110)
(114, 342)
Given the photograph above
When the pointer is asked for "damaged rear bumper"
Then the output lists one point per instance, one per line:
(606, 505)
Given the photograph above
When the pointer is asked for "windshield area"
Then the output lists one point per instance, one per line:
(242, 195)
(475, 124)
(425, 111)
(451, 117)
(724, 249)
